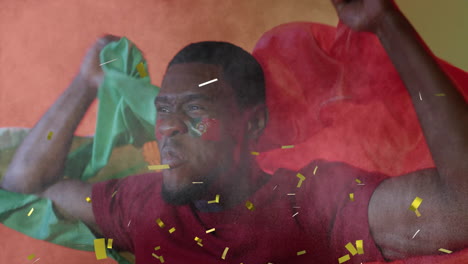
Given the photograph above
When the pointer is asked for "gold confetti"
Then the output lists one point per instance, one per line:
(161, 259)
(141, 70)
(358, 181)
(216, 200)
(224, 253)
(31, 211)
(199, 241)
(160, 223)
(445, 250)
(315, 170)
(351, 197)
(301, 252)
(301, 179)
(49, 136)
(100, 248)
(249, 205)
(255, 153)
(114, 194)
(172, 230)
(287, 147)
(109, 243)
(158, 167)
(209, 231)
(157, 248)
(415, 205)
(88, 199)
(440, 94)
(350, 247)
(344, 259)
(31, 256)
(360, 247)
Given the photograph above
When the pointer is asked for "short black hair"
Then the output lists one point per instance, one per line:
(241, 70)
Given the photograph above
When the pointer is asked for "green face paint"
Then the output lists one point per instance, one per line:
(206, 128)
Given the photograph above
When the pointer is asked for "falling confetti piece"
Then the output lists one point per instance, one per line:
(301, 179)
(358, 181)
(287, 147)
(291, 194)
(141, 70)
(224, 253)
(351, 197)
(129, 223)
(360, 247)
(415, 205)
(158, 167)
(157, 248)
(440, 94)
(100, 248)
(255, 153)
(295, 214)
(445, 250)
(416, 233)
(31, 256)
(88, 199)
(209, 231)
(161, 259)
(172, 230)
(160, 223)
(420, 96)
(344, 259)
(315, 170)
(49, 136)
(350, 247)
(197, 182)
(199, 241)
(31, 211)
(208, 82)
(216, 200)
(36, 260)
(275, 187)
(109, 243)
(301, 252)
(107, 62)
(114, 194)
(249, 205)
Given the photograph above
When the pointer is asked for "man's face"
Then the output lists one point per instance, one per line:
(200, 130)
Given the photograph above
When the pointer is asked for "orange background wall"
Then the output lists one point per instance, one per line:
(42, 42)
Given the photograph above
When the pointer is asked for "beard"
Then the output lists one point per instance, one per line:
(185, 195)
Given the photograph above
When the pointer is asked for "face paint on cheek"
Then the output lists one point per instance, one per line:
(206, 128)
(157, 131)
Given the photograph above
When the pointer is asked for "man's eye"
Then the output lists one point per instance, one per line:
(194, 108)
(163, 109)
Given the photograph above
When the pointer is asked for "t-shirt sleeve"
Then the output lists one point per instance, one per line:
(115, 206)
(328, 192)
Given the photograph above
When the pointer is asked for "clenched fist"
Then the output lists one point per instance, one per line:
(90, 71)
(364, 15)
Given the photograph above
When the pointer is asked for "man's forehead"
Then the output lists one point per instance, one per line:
(186, 78)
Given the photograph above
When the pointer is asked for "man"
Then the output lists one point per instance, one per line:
(206, 135)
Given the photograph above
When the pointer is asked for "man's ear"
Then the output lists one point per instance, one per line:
(258, 118)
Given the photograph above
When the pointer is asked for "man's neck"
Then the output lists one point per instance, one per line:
(238, 188)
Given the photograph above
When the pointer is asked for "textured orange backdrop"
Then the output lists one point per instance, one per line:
(42, 42)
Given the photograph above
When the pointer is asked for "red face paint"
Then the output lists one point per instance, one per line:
(209, 129)
(158, 131)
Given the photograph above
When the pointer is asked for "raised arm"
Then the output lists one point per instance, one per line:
(444, 121)
(38, 164)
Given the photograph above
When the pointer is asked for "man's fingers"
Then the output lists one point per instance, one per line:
(103, 41)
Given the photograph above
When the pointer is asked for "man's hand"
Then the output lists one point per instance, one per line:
(363, 15)
(90, 70)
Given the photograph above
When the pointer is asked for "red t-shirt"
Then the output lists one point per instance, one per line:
(320, 219)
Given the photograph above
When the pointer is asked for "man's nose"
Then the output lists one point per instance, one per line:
(169, 127)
